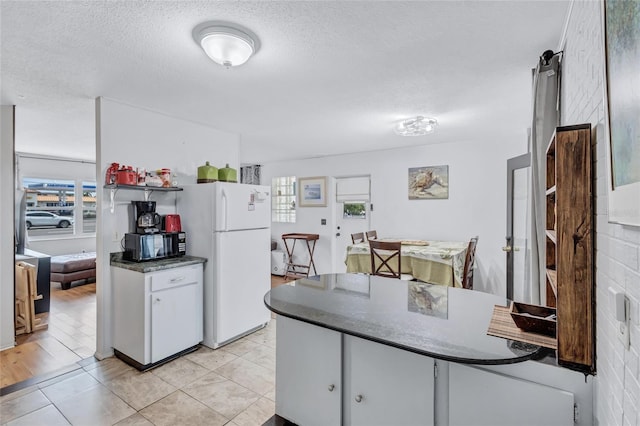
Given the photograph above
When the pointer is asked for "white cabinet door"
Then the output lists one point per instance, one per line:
(308, 373)
(478, 397)
(175, 320)
(386, 386)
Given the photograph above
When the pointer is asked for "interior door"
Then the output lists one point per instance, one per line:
(353, 214)
(517, 246)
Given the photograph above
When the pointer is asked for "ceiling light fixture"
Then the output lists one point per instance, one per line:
(226, 44)
(416, 126)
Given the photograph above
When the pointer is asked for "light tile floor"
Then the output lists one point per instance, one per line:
(233, 385)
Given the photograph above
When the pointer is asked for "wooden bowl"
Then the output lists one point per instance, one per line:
(534, 318)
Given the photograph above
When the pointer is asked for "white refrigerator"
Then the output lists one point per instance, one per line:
(228, 224)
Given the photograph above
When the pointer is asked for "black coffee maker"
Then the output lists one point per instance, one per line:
(145, 218)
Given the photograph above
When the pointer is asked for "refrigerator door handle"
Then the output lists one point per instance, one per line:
(224, 199)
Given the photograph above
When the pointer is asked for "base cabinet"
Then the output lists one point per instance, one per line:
(308, 373)
(324, 377)
(479, 397)
(382, 385)
(157, 314)
(386, 386)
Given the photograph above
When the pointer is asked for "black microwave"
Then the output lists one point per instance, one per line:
(141, 247)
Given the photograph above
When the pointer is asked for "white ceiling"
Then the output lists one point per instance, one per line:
(331, 77)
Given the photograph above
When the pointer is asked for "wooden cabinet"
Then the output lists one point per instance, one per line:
(569, 245)
(156, 314)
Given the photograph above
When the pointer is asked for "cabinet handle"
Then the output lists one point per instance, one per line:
(359, 398)
(177, 279)
(157, 299)
(331, 388)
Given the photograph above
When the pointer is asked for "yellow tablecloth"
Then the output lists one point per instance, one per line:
(438, 262)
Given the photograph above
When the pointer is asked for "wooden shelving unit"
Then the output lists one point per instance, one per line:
(569, 247)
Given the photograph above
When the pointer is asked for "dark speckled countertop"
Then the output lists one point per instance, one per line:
(441, 322)
(154, 265)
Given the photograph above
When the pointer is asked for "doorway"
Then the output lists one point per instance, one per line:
(71, 315)
(518, 246)
(353, 214)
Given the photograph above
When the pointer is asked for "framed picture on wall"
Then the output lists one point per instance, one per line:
(622, 115)
(429, 183)
(312, 192)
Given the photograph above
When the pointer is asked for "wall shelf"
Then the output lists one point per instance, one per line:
(114, 187)
(551, 190)
(569, 246)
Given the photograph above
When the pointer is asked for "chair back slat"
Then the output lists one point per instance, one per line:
(358, 237)
(385, 258)
(372, 235)
(470, 258)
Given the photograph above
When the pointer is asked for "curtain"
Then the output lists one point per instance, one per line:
(250, 174)
(546, 117)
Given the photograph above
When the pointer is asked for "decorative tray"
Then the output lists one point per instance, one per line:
(534, 318)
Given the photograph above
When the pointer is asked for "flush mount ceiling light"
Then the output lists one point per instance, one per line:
(416, 126)
(226, 44)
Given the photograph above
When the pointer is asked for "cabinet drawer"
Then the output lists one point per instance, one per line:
(176, 277)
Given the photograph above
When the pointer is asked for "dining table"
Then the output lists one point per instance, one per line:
(436, 262)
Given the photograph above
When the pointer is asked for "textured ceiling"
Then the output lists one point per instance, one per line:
(330, 77)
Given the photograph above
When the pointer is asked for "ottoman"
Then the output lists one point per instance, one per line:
(68, 268)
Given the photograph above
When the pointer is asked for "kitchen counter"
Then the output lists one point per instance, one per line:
(360, 349)
(154, 265)
(438, 321)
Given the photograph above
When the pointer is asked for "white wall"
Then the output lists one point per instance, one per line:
(146, 139)
(617, 384)
(7, 249)
(32, 166)
(476, 204)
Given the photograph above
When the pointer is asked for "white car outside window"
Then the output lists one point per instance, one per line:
(47, 219)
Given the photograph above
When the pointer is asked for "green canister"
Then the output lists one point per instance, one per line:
(207, 173)
(227, 174)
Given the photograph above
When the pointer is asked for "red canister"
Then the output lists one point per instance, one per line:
(172, 223)
(126, 177)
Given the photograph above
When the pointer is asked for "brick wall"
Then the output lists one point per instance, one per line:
(617, 384)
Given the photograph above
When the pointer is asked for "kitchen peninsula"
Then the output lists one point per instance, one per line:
(360, 349)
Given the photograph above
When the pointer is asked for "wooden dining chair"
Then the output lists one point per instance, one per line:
(469, 261)
(386, 259)
(372, 235)
(358, 237)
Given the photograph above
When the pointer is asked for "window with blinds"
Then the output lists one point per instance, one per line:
(353, 193)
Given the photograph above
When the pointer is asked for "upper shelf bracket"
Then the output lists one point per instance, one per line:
(113, 188)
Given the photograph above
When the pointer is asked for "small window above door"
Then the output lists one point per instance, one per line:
(354, 210)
